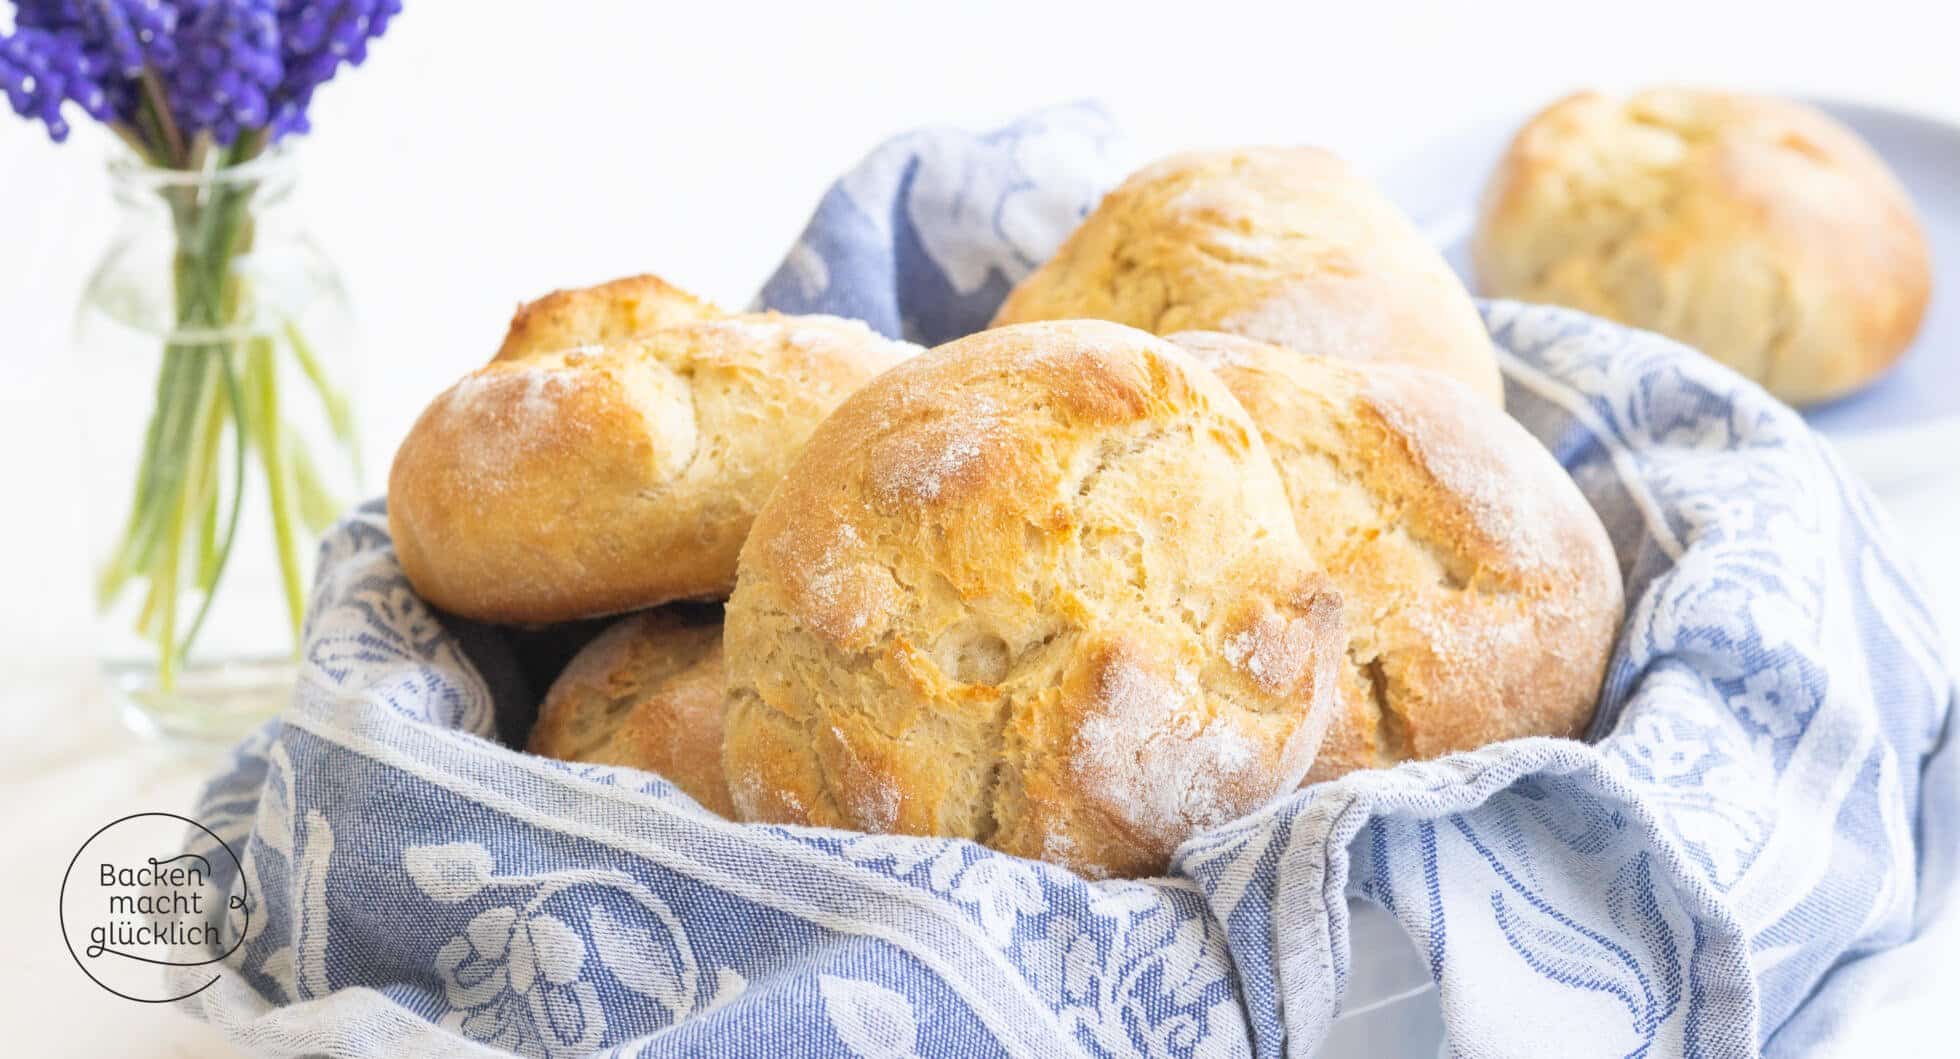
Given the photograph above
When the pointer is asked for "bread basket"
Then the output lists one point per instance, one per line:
(1742, 819)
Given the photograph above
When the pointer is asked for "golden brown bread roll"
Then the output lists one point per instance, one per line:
(601, 480)
(1283, 244)
(601, 315)
(1757, 230)
(1039, 588)
(1481, 592)
(647, 693)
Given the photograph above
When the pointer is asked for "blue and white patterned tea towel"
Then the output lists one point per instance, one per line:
(1746, 826)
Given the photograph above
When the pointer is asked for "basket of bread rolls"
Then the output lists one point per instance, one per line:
(1029, 635)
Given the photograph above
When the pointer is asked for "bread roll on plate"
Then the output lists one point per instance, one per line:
(646, 693)
(1757, 230)
(623, 308)
(1284, 244)
(1039, 588)
(1481, 592)
(599, 480)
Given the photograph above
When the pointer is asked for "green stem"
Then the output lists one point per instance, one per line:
(209, 581)
(180, 439)
(166, 589)
(201, 481)
(144, 507)
(210, 491)
(262, 376)
(340, 416)
(172, 141)
(170, 464)
(318, 507)
(211, 385)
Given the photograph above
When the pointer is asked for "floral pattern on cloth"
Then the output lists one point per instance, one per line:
(1744, 820)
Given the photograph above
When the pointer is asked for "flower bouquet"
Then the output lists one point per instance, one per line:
(202, 93)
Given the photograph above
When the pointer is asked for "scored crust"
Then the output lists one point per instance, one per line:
(1283, 244)
(1757, 230)
(646, 693)
(1038, 588)
(1481, 590)
(600, 315)
(600, 480)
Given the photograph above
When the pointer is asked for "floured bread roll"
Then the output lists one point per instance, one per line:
(1481, 592)
(1038, 588)
(1284, 244)
(605, 479)
(623, 308)
(646, 693)
(1757, 230)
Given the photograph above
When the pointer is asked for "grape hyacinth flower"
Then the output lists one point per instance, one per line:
(199, 86)
(228, 64)
(318, 38)
(131, 30)
(41, 69)
(166, 74)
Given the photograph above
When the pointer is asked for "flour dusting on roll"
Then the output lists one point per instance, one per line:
(1039, 588)
(624, 308)
(1482, 593)
(612, 477)
(1283, 244)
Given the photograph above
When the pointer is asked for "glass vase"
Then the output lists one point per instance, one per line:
(212, 346)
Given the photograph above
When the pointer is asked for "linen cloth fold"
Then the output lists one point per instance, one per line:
(1745, 820)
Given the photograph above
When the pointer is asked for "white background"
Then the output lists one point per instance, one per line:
(492, 151)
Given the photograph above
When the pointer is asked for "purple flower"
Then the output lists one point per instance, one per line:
(47, 14)
(318, 36)
(227, 64)
(222, 66)
(40, 69)
(132, 31)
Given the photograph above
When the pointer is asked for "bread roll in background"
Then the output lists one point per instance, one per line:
(1481, 592)
(609, 312)
(605, 479)
(646, 693)
(1757, 230)
(1039, 588)
(1284, 244)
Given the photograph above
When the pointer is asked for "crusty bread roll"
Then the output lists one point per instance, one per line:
(600, 480)
(1757, 230)
(1481, 592)
(1284, 244)
(1038, 588)
(601, 315)
(646, 693)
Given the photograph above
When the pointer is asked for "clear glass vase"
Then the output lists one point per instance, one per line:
(213, 346)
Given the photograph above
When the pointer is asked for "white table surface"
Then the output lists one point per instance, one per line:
(488, 154)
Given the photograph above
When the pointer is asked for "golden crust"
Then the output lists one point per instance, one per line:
(1481, 591)
(647, 693)
(1283, 244)
(1757, 230)
(1038, 588)
(600, 315)
(601, 480)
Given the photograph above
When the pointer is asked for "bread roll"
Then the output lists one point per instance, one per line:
(607, 313)
(647, 693)
(1757, 230)
(1038, 588)
(1481, 592)
(605, 479)
(1284, 244)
